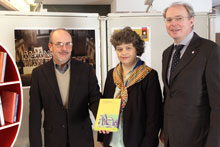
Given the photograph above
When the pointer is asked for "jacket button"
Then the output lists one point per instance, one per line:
(63, 126)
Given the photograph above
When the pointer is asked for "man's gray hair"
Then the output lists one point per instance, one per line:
(188, 8)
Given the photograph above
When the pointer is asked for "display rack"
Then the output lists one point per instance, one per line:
(12, 82)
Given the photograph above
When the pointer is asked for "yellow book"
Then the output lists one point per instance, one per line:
(108, 116)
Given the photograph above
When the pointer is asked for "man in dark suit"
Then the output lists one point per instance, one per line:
(191, 84)
(65, 89)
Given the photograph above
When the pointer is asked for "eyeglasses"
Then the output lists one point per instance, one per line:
(61, 44)
(177, 19)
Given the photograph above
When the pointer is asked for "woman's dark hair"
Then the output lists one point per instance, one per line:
(127, 35)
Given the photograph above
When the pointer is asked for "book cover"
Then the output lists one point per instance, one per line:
(16, 108)
(9, 105)
(3, 56)
(2, 121)
(108, 116)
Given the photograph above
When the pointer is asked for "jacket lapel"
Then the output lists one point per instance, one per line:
(189, 54)
(49, 72)
(74, 77)
(166, 62)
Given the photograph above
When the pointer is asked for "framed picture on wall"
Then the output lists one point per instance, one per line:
(32, 50)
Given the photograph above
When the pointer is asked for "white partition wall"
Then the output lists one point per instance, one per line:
(158, 37)
(9, 21)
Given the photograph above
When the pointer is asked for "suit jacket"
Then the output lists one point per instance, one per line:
(44, 94)
(192, 99)
(142, 118)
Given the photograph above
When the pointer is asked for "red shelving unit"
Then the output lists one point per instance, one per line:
(12, 82)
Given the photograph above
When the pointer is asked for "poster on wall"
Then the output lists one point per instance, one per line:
(32, 50)
(145, 34)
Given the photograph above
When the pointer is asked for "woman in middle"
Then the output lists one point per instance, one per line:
(138, 87)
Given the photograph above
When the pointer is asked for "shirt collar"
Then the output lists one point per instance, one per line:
(187, 40)
(64, 69)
